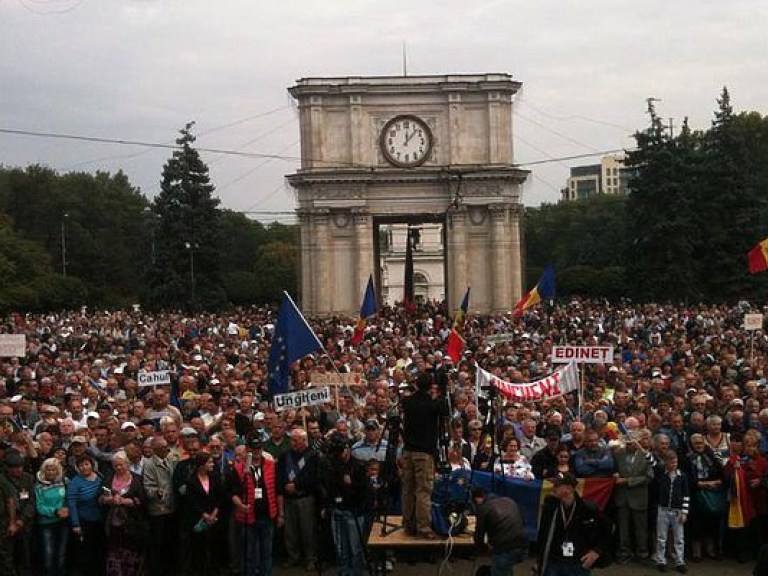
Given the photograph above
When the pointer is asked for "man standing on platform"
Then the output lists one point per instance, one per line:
(421, 418)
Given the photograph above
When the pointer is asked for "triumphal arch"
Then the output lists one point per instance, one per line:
(408, 149)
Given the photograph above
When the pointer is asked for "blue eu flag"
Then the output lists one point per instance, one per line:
(293, 339)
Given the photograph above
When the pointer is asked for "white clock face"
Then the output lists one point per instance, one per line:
(406, 141)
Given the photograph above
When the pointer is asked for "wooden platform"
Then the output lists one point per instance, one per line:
(396, 538)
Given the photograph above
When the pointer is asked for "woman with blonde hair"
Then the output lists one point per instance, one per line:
(52, 516)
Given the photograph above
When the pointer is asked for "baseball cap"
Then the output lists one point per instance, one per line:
(565, 478)
(188, 431)
(255, 443)
(93, 415)
(127, 425)
(79, 440)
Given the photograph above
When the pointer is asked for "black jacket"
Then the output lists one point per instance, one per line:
(335, 492)
(420, 421)
(586, 530)
(500, 518)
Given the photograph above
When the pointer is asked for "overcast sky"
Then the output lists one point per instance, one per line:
(140, 69)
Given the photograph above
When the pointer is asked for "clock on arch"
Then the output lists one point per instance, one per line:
(406, 141)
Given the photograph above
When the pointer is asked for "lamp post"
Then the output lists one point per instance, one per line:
(191, 247)
(64, 244)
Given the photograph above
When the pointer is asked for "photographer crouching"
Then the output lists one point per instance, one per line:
(343, 489)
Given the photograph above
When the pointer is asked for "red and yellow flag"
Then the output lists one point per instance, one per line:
(758, 257)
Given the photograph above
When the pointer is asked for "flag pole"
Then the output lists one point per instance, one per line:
(325, 352)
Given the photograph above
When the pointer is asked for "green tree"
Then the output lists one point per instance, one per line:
(662, 219)
(187, 240)
(583, 240)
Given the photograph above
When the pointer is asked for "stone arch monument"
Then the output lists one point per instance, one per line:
(409, 149)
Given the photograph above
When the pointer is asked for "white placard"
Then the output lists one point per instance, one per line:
(13, 345)
(496, 338)
(753, 321)
(159, 378)
(310, 397)
(582, 354)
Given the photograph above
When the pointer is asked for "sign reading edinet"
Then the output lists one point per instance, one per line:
(582, 354)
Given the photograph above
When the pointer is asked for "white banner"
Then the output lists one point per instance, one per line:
(160, 378)
(582, 354)
(561, 381)
(13, 345)
(310, 397)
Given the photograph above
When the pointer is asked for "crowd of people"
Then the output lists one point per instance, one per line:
(101, 474)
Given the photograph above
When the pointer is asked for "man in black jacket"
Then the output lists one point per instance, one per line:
(571, 535)
(420, 434)
(343, 489)
(296, 489)
(500, 519)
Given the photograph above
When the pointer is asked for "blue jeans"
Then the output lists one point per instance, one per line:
(502, 562)
(256, 541)
(555, 568)
(347, 528)
(53, 541)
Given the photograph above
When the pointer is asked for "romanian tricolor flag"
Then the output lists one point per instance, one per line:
(544, 290)
(758, 257)
(367, 309)
(456, 341)
(528, 494)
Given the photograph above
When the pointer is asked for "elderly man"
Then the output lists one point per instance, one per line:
(161, 504)
(297, 482)
(372, 445)
(529, 442)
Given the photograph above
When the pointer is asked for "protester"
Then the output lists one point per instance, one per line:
(52, 517)
(85, 514)
(674, 503)
(571, 537)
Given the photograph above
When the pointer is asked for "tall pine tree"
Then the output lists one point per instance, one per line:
(186, 272)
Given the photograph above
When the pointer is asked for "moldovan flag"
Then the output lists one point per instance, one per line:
(367, 308)
(544, 290)
(758, 257)
(456, 341)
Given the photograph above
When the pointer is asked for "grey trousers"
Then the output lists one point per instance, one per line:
(632, 521)
(301, 529)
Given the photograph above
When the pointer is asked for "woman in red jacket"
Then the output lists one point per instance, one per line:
(255, 500)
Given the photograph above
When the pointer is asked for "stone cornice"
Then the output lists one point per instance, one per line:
(497, 82)
(304, 178)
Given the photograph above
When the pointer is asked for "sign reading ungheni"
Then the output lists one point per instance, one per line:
(308, 397)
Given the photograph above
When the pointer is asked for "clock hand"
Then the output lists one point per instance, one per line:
(408, 138)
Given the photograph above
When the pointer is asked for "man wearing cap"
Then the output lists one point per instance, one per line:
(544, 462)
(372, 445)
(20, 486)
(254, 497)
(7, 518)
(500, 519)
(571, 535)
